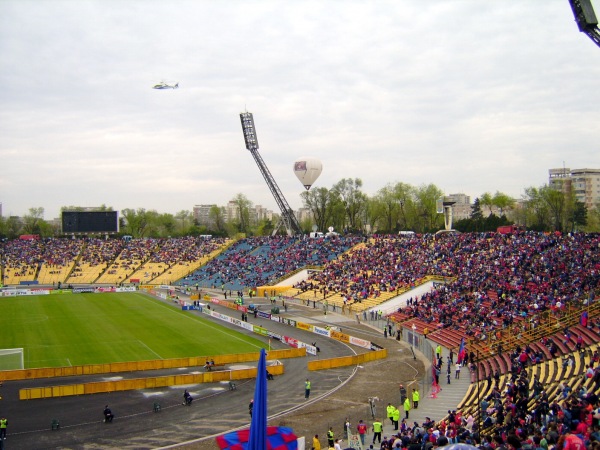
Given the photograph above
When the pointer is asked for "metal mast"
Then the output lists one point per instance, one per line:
(586, 19)
(288, 219)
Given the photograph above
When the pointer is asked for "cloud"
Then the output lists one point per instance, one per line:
(470, 96)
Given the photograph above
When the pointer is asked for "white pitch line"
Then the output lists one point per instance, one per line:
(69, 361)
(159, 357)
(207, 323)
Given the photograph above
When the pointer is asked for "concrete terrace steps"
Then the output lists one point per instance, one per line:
(448, 337)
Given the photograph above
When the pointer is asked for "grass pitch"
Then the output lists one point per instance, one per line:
(78, 329)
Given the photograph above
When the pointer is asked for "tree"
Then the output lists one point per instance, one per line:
(166, 224)
(321, 204)
(353, 200)
(384, 209)
(32, 222)
(216, 214)
(102, 207)
(264, 228)
(12, 227)
(579, 216)
(476, 215)
(243, 213)
(537, 214)
(502, 201)
(555, 201)
(184, 221)
(486, 199)
(405, 196)
(425, 198)
(136, 222)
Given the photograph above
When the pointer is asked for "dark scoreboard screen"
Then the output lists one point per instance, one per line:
(90, 222)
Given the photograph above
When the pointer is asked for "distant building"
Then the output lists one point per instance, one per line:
(201, 214)
(304, 214)
(584, 183)
(462, 209)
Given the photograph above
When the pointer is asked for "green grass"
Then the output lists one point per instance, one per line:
(77, 329)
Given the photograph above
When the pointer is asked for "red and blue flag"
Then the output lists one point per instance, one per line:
(278, 438)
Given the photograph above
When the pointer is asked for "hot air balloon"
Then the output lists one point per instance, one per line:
(307, 170)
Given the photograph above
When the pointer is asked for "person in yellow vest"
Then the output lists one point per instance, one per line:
(390, 412)
(3, 425)
(316, 444)
(307, 389)
(377, 429)
(396, 418)
(416, 397)
(330, 437)
(406, 407)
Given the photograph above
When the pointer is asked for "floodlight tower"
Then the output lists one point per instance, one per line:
(586, 19)
(288, 219)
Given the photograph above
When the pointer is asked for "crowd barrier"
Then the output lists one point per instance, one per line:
(155, 364)
(143, 383)
(345, 361)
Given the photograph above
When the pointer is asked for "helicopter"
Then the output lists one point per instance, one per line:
(163, 85)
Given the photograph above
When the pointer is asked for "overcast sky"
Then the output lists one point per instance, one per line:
(473, 96)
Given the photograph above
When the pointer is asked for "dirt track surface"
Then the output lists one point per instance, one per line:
(335, 395)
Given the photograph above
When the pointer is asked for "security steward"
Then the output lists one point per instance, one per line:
(330, 437)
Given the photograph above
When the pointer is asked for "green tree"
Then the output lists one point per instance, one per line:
(32, 222)
(136, 222)
(243, 206)
(353, 201)
(476, 216)
(384, 209)
(264, 228)
(556, 203)
(486, 200)
(425, 198)
(184, 221)
(502, 201)
(216, 214)
(406, 197)
(167, 225)
(321, 202)
(537, 212)
(579, 217)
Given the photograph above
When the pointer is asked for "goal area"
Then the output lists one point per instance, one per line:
(11, 359)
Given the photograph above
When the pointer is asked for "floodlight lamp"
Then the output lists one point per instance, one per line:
(249, 131)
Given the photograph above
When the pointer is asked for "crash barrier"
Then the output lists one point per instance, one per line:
(331, 332)
(344, 361)
(143, 383)
(136, 366)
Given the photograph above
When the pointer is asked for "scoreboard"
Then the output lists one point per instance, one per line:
(90, 222)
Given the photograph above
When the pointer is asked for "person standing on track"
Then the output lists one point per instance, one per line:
(330, 437)
(306, 389)
(377, 429)
(406, 407)
(3, 425)
(416, 397)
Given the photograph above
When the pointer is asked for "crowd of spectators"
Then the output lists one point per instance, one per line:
(23, 258)
(499, 279)
(257, 261)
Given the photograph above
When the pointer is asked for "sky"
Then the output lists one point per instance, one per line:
(472, 96)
